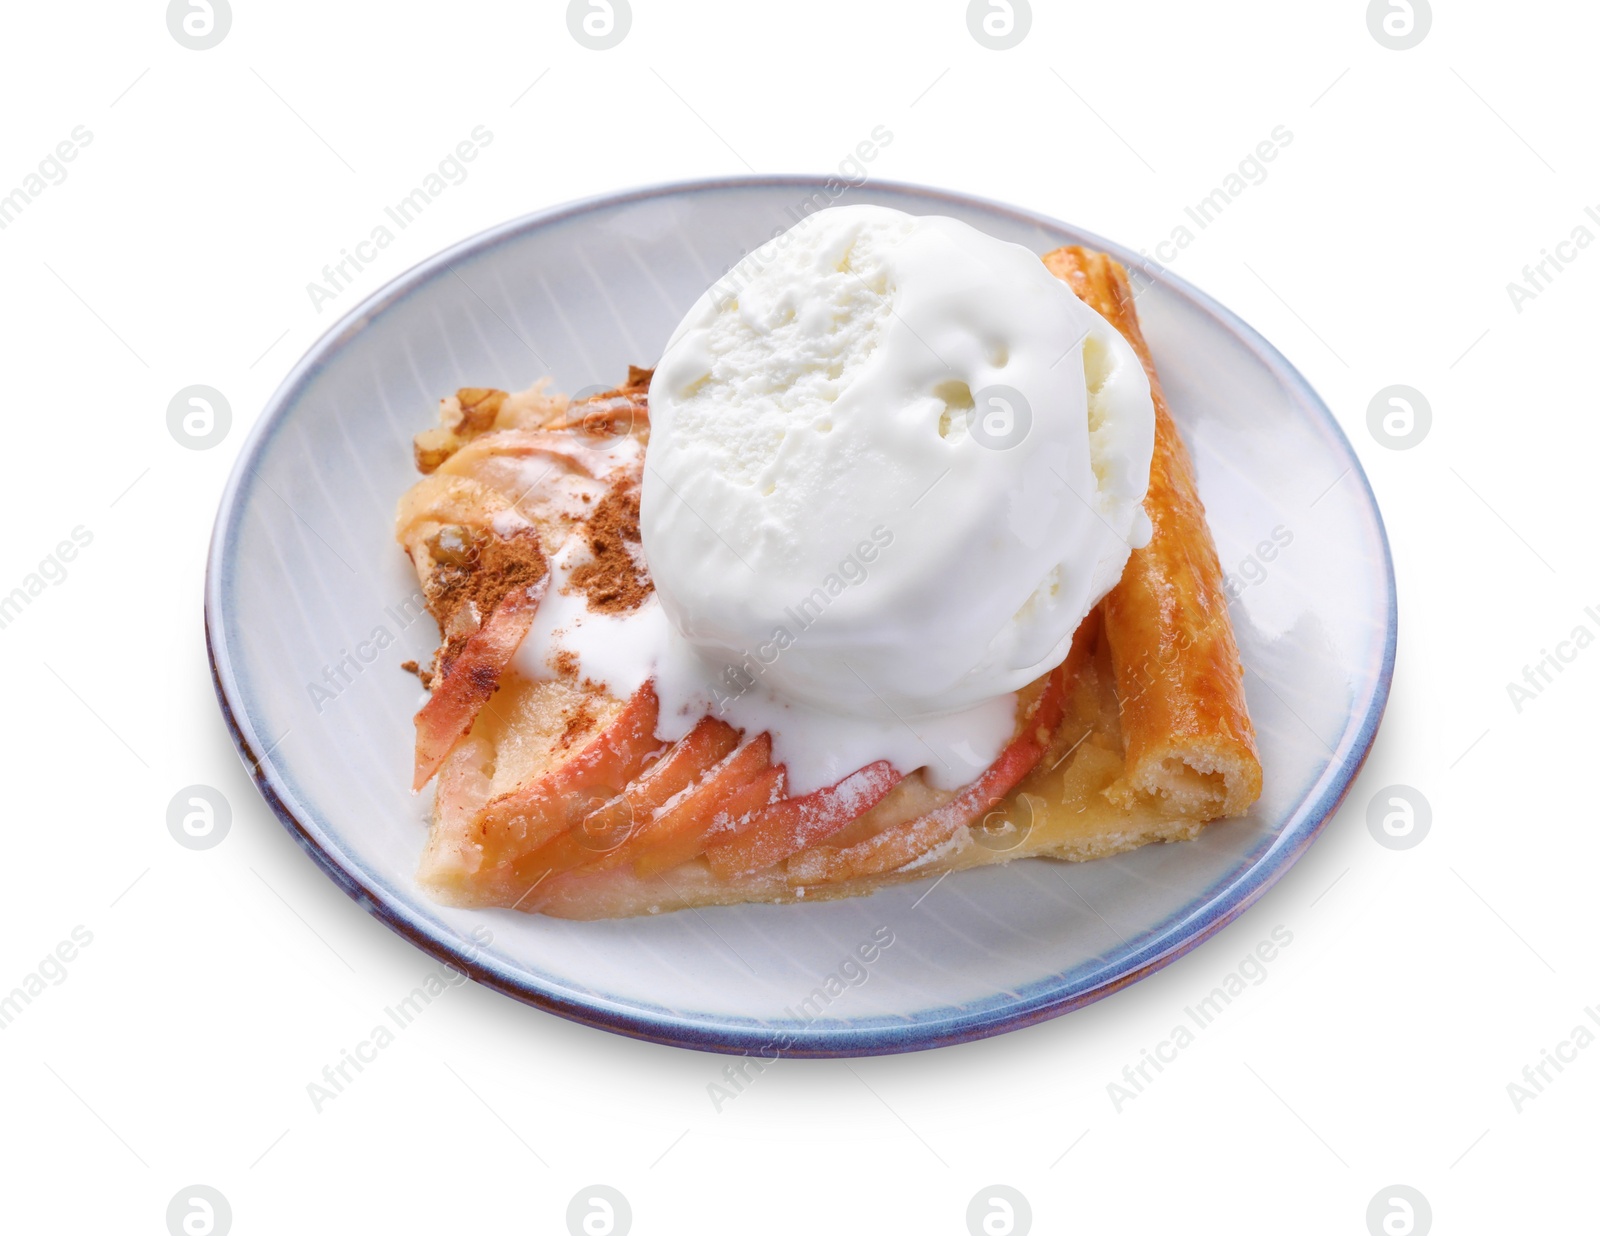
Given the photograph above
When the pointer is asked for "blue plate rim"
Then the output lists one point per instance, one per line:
(1047, 998)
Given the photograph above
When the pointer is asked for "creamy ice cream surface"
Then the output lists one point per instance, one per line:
(894, 462)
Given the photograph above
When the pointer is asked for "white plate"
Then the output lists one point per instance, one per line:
(307, 586)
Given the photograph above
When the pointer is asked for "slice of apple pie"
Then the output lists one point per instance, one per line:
(559, 795)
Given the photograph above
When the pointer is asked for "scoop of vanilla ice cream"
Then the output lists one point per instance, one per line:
(893, 464)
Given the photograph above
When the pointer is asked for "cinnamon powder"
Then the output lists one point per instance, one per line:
(615, 581)
(474, 568)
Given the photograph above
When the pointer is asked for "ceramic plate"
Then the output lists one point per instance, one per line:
(311, 607)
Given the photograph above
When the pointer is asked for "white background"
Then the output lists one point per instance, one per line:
(218, 983)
